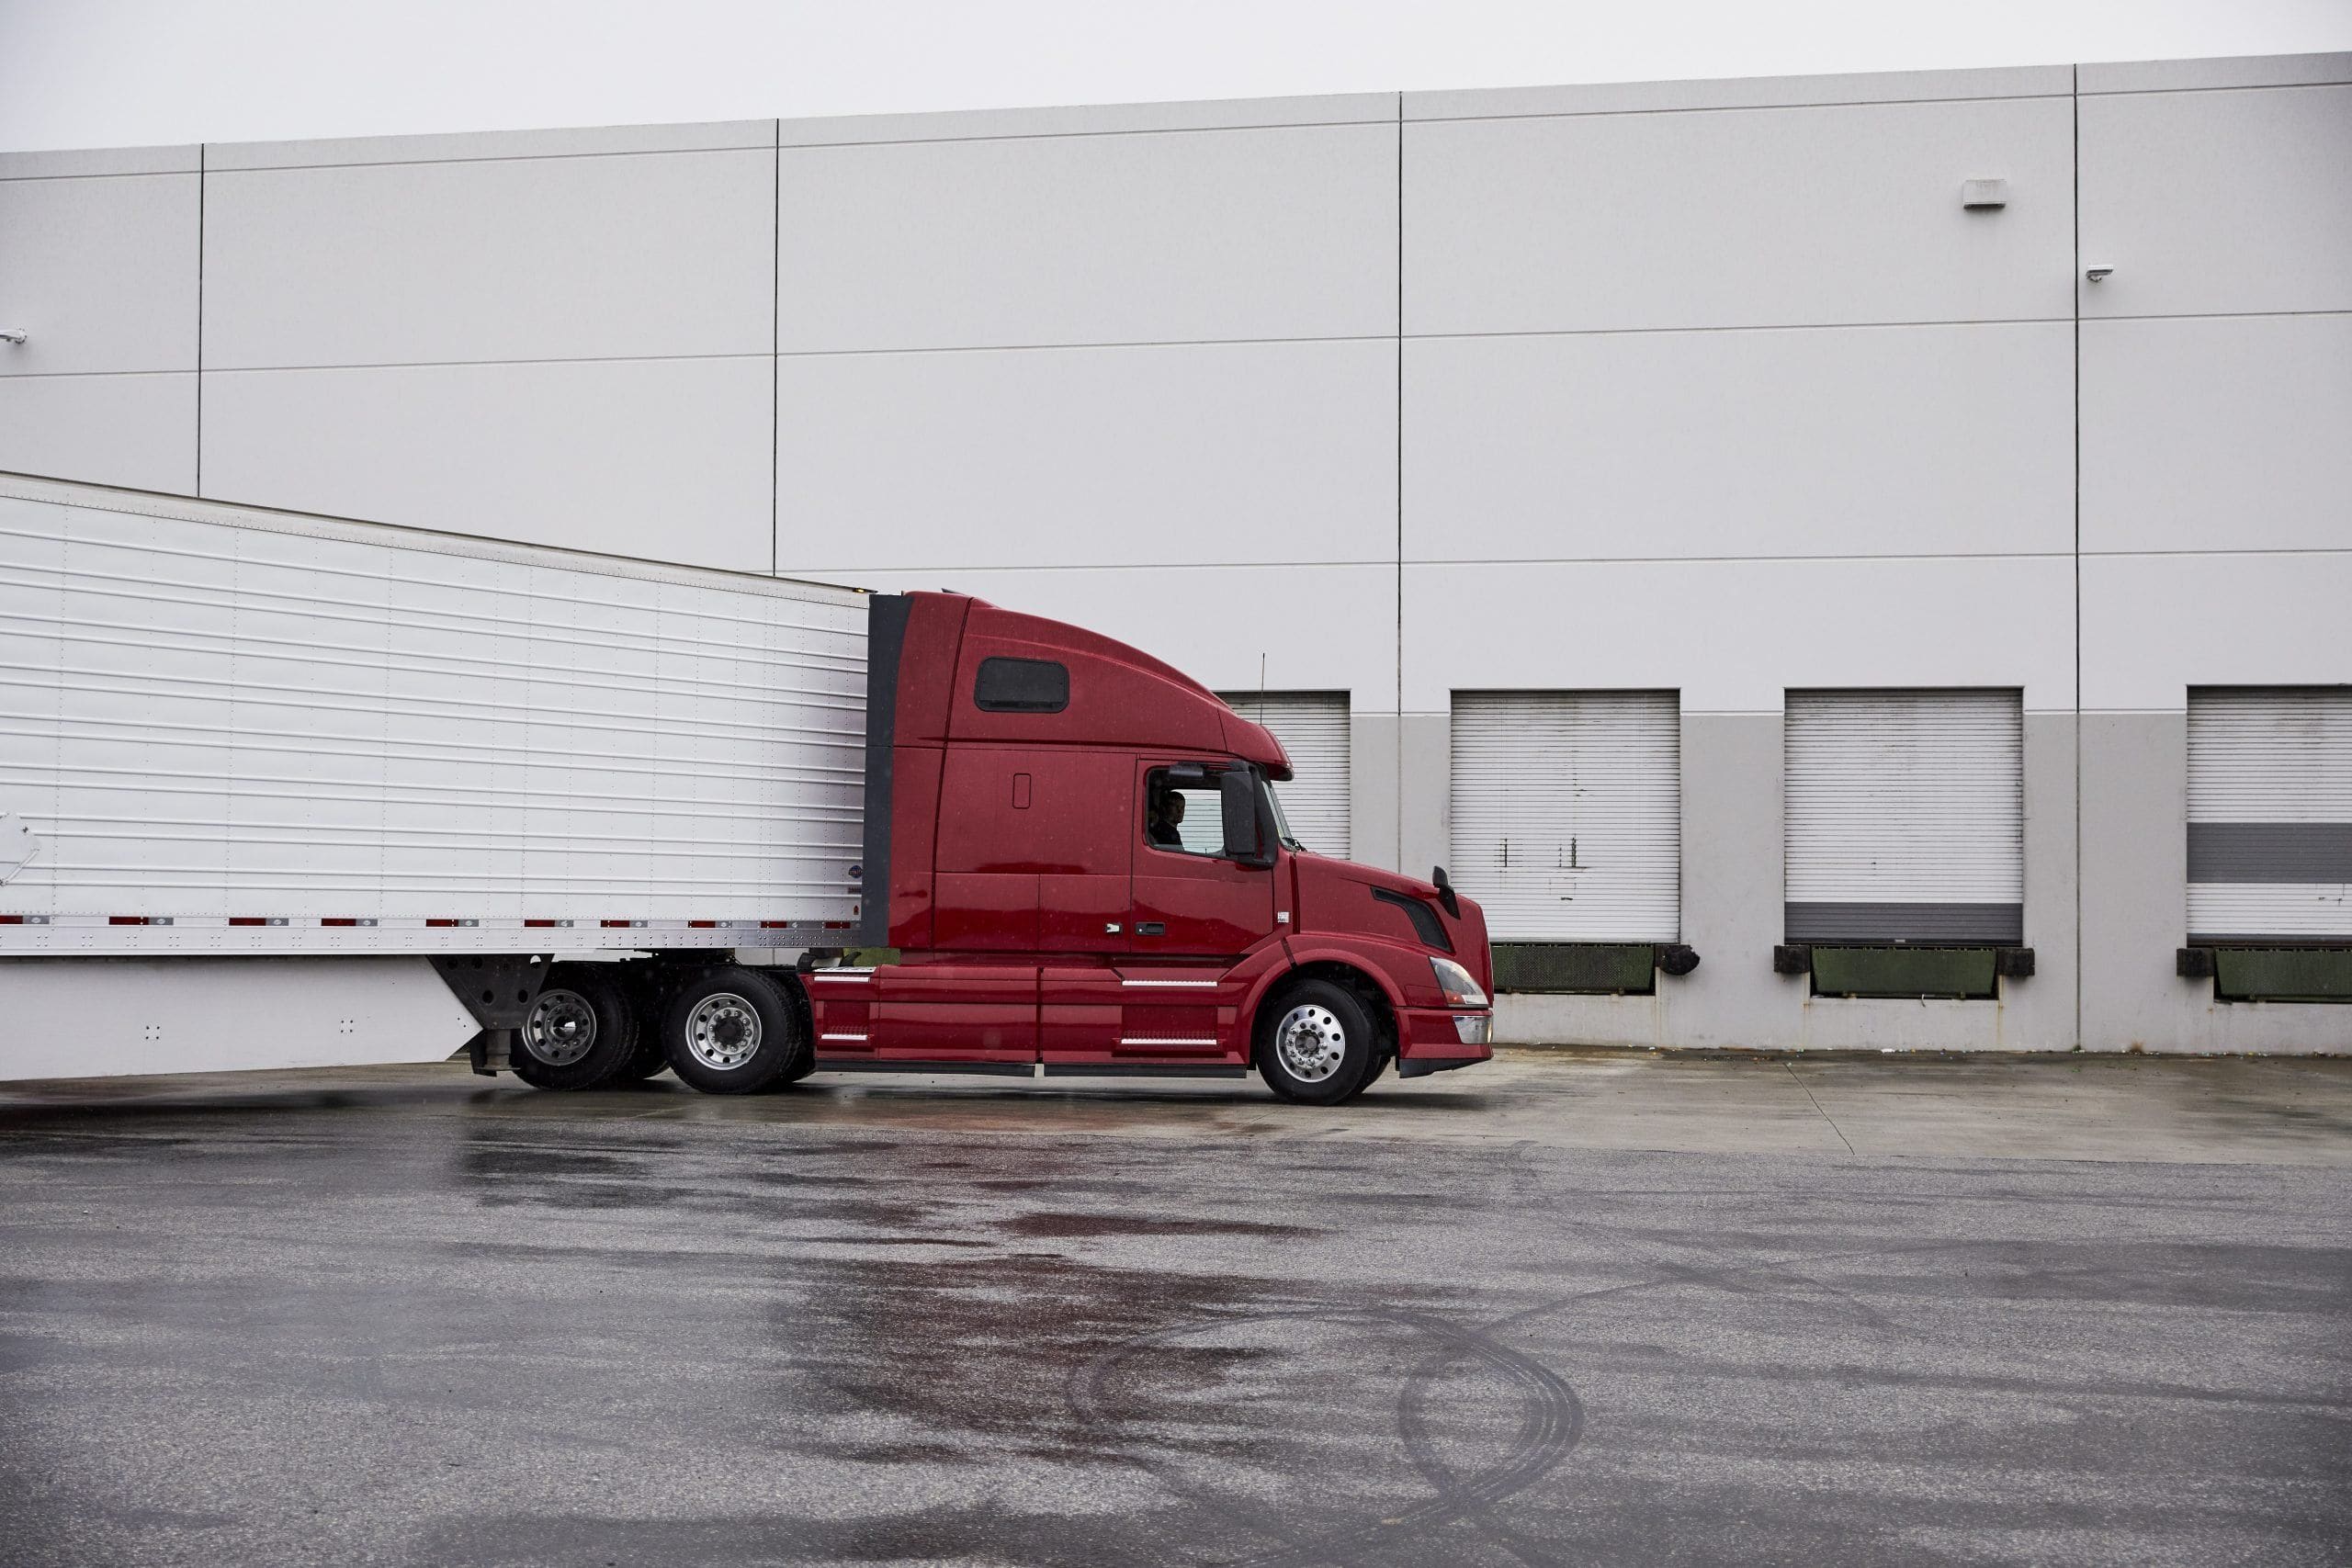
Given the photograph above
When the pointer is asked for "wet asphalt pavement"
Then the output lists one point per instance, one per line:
(404, 1315)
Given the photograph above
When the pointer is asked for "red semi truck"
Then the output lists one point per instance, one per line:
(1079, 866)
(285, 790)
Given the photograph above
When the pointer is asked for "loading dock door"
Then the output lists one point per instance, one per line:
(1313, 728)
(2270, 813)
(1567, 814)
(1904, 816)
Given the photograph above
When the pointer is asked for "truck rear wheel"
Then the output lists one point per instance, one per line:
(645, 1004)
(580, 1033)
(732, 1030)
(648, 1059)
(1316, 1042)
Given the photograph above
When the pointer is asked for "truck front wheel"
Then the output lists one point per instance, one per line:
(1316, 1043)
(580, 1033)
(732, 1030)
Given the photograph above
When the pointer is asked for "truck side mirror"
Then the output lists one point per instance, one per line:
(1246, 838)
(1446, 894)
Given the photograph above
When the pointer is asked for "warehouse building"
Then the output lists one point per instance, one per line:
(1887, 538)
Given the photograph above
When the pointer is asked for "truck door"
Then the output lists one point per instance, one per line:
(1198, 904)
(1195, 897)
(1033, 850)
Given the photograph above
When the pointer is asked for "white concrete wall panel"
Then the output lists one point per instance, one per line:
(83, 162)
(1733, 886)
(1731, 635)
(2219, 201)
(1777, 217)
(1741, 92)
(99, 272)
(1375, 764)
(2154, 625)
(536, 258)
(1168, 237)
(98, 267)
(2224, 70)
(1091, 119)
(136, 430)
(2217, 432)
(1853, 441)
(2216, 392)
(1330, 628)
(1179, 457)
(449, 147)
(664, 460)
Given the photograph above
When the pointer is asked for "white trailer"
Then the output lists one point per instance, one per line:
(267, 780)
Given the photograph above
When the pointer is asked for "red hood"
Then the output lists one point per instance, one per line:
(1335, 896)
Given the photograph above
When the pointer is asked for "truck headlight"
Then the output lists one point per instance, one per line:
(1461, 991)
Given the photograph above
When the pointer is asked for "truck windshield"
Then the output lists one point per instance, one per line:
(1274, 805)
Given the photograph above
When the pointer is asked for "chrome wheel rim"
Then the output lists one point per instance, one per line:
(561, 1029)
(723, 1032)
(1311, 1042)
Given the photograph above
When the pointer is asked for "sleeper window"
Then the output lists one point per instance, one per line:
(1021, 685)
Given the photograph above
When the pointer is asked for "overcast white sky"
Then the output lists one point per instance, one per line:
(127, 73)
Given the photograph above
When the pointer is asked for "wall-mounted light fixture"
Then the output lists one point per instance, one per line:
(2096, 274)
(12, 334)
(1984, 195)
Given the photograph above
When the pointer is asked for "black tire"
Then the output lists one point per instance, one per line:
(582, 1032)
(647, 1061)
(796, 996)
(645, 1003)
(732, 1031)
(1324, 1006)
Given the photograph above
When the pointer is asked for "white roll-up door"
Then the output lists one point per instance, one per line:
(2270, 812)
(1313, 728)
(1567, 814)
(1904, 816)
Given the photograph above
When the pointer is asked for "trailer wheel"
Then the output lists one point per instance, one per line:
(648, 1059)
(646, 1000)
(732, 1031)
(1315, 1043)
(580, 1033)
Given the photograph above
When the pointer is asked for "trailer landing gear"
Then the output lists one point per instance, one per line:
(499, 990)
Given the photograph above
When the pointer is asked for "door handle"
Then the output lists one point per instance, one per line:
(1151, 928)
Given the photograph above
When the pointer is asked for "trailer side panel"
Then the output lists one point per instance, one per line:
(238, 731)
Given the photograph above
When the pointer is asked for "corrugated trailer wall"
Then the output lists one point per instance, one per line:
(250, 731)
